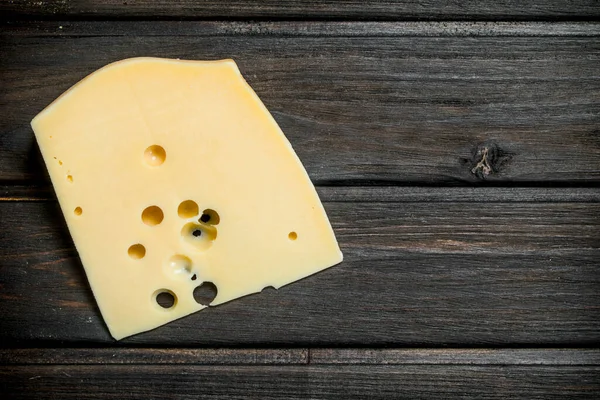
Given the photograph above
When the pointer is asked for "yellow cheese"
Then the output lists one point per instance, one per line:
(171, 174)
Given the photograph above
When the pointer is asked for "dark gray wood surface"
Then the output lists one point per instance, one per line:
(301, 356)
(462, 278)
(389, 108)
(299, 382)
(189, 373)
(304, 9)
(416, 271)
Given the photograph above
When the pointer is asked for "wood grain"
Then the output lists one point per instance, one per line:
(307, 9)
(415, 273)
(234, 373)
(389, 194)
(299, 382)
(300, 356)
(359, 108)
(391, 105)
(302, 28)
(229, 356)
(445, 356)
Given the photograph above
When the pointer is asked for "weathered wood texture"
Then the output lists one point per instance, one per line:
(301, 28)
(301, 373)
(415, 273)
(438, 356)
(299, 382)
(379, 9)
(372, 104)
(226, 356)
(300, 356)
(364, 102)
(389, 194)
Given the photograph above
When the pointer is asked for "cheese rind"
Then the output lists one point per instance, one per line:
(172, 173)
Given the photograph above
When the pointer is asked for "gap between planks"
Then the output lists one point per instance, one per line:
(299, 356)
(388, 194)
(299, 28)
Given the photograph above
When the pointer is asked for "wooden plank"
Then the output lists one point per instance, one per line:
(170, 356)
(379, 9)
(415, 273)
(389, 194)
(299, 382)
(153, 382)
(325, 356)
(302, 28)
(389, 108)
(454, 356)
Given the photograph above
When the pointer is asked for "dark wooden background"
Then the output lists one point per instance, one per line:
(463, 277)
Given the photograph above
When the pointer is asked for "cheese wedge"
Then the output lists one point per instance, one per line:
(173, 177)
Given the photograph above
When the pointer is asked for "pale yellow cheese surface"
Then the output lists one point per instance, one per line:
(177, 138)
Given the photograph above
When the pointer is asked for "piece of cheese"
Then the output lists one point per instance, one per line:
(171, 174)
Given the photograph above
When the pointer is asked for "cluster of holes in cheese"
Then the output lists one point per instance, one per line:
(200, 233)
(154, 215)
(203, 294)
(203, 232)
(77, 210)
(189, 209)
(154, 156)
(178, 264)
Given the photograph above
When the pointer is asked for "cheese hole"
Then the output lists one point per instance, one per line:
(194, 277)
(210, 217)
(152, 215)
(136, 251)
(59, 162)
(70, 178)
(205, 293)
(165, 298)
(78, 211)
(188, 209)
(180, 264)
(155, 155)
(199, 236)
(293, 236)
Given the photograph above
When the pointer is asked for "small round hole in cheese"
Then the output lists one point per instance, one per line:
(188, 209)
(152, 215)
(136, 251)
(155, 155)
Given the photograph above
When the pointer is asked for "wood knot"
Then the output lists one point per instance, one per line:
(488, 159)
